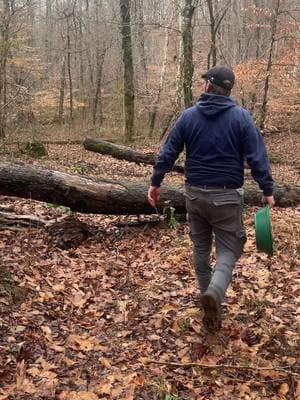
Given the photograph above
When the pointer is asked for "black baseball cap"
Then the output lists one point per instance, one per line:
(220, 75)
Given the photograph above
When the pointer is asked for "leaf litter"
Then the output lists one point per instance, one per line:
(118, 316)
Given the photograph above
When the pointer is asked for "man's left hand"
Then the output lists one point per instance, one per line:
(269, 200)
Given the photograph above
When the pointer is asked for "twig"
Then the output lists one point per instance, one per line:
(286, 370)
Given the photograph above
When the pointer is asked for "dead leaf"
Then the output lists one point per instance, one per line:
(81, 343)
(297, 394)
(78, 396)
(154, 337)
(57, 348)
(104, 387)
(196, 326)
(68, 361)
(244, 389)
(168, 308)
(283, 389)
(78, 300)
(59, 287)
(33, 371)
(48, 374)
(105, 362)
(116, 392)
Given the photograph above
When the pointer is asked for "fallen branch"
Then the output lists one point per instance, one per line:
(286, 370)
(8, 219)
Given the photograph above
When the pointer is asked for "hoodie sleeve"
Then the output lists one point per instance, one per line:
(256, 156)
(169, 152)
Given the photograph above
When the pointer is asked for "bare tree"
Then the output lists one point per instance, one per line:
(139, 44)
(186, 66)
(128, 71)
(4, 50)
(155, 107)
(62, 89)
(215, 17)
(274, 22)
(187, 48)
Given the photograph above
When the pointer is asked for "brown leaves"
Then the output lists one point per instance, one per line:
(96, 315)
(297, 394)
(283, 390)
(78, 396)
(82, 343)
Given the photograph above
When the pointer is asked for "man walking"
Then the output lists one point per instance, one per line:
(218, 136)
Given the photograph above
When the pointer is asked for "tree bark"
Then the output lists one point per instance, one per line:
(139, 41)
(216, 17)
(123, 153)
(185, 67)
(4, 51)
(213, 47)
(8, 219)
(108, 197)
(187, 48)
(128, 71)
(97, 103)
(264, 106)
(155, 108)
(69, 69)
(106, 147)
(62, 90)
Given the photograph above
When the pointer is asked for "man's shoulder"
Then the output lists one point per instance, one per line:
(239, 109)
(242, 113)
(190, 110)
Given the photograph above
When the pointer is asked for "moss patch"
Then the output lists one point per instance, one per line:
(35, 149)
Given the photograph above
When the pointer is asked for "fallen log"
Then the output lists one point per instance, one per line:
(124, 153)
(120, 152)
(9, 219)
(108, 197)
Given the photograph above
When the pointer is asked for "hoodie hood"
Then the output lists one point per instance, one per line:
(212, 104)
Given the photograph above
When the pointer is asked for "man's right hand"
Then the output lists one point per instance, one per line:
(269, 200)
(153, 195)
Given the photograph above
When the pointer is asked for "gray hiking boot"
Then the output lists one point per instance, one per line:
(211, 304)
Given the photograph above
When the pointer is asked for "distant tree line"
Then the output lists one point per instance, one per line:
(131, 66)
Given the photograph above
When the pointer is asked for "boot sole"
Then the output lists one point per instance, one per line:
(212, 313)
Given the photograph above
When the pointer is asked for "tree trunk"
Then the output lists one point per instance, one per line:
(97, 104)
(62, 90)
(48, 33)
(100, 56)
(128, 71)
(187, 48)
(213, 47)
(4, 50)
(216, 17)
(105, 147)
(274, 22)
(156, 104)
(69, 69)
(139, 41)
(123, 153)
(108, 197)
(179, 76)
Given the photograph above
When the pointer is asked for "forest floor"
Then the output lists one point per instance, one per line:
(118, 316)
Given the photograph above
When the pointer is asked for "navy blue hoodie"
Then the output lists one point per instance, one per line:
(218, 136)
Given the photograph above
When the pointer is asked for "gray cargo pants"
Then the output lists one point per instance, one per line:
(218, 212)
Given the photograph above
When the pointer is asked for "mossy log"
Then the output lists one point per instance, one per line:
(107, 196)
(124, 153)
